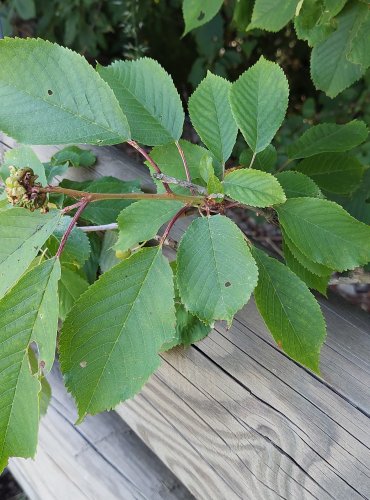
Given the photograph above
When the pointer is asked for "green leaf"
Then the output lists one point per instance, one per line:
(196, 14)
(337, 173)
(142, 220)
(290, 311)
(216, 272)
(28, 313)
(253, 187)
(55, 97)
(272, 15)
(359, 52)
(77, 249)
(106, 211)
(358, 205)
(4, 203)
(314, 22)
(211, 116)
(215, 186)
(328, 138)
(75, 156)
(319, 283)
(259, 100)
(91, 266)
(71, 286)
(22, 234)
(296, 185)
(325, 232)
(334, 6)
(306, 262)
(169, 161)
(56, 170)
(25, 8)
(331, 70)
(206, 169)
(149, 99)
(107, 258)
(264, 160)
(23, 157)
(110, 341)
(44, 396)
(189, 328)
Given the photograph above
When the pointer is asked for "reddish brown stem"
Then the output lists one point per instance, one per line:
(143, 153)
(72, 224)
(172, 222)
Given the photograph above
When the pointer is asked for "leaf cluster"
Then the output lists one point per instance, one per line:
(336, 30)
(121, 301)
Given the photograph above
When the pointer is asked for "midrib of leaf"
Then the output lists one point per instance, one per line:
(21, 363)
(118, 336)
(75, 115)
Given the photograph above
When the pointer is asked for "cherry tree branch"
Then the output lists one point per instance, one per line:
(185, 184)
(92, 197)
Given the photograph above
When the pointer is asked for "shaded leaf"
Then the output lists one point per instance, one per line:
(325, 232)
(196, 14)
(272, 15)
(71, 286)
(331, 70)
(306, 262)
(337, 173)
(189, 328)
(319, 283)
(327, 138)
(264, 160)
(290, 311)
(77, 249)
(75, 156)
(106, 211)
(107, 258)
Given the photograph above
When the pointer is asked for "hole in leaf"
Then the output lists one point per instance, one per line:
(201, 15)
(50, 92)
(83, 364)
(227, 284)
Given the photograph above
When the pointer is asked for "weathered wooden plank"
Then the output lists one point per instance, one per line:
(234, 417)
(101, 458)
